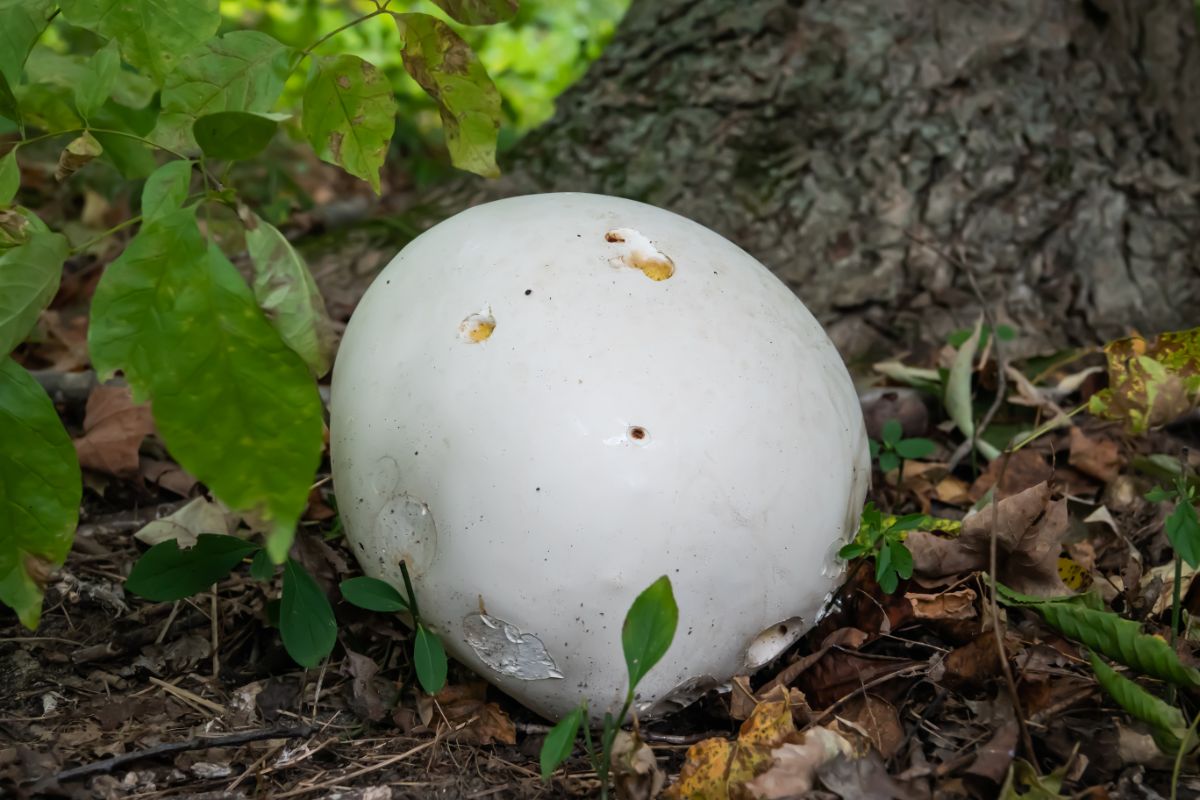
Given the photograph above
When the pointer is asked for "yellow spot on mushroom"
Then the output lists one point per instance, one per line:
(656, 269)
(477, 328)
(481, 331)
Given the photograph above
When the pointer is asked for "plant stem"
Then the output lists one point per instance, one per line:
(106, 131)
(100, 237)
(306, 52)
(1175, 592)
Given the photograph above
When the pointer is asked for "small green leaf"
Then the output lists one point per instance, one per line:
(1165, 718)
(888, 460)
(887, 580)
(448, 70)
(560, 742)
(39, 491)
(288, 295)
(649, 629)
(852, 550)
(349, 115)
(883, 561)
(479, 12)
(910, 522)
(373, 595)
(874, 447)
(261, 568)
(97, 81)
(165, 572)
(153, 35)
(1158, 494)
(166, 190)
(29, 275)
(21, 23)
(429, 657)
(306, 621)
(10, 177)
(902, 560)
(914, 448)
(1183, 531)
(1121, 640)
(1005, 333)
(235, 135)
(235, 406)
(892, 431)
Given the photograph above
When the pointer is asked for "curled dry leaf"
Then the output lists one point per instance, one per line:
(634, 769)
(185, 525)
(76, 155)
(958, 604)
(1099, 458)
(467, 703)
(877, 721)
(113, 429)
(794, 766)
(1031, 526)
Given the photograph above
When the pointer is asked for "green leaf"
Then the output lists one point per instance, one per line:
(1165, 718)
(888, 460)
(288, 295)
(958, 385)
(1158, 494)
(153, 35)
(901, 557)
(479, 12)
(910, 522)
(97, 81)
(448, 70)
(429, 657)
(166, 190)
(29, 275)
(1121, 640)
(349, 115)
(914, 448)
(852, 550)
(235, 135)
(560, 742)
(875, 447)
(1183, 531)
(21, 23)
(166, 572)
(10, 177)
(235, 406)
(306, 621)
(649, 628)
(892, 431)
(40, 491)
(9, 107)
(373, 595)
(261, 568)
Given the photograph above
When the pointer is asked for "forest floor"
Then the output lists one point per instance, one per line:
(114, 696)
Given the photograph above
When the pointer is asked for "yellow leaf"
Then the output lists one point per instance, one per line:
(1150, 382)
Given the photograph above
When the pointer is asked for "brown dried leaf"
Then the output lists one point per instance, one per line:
(973, 664)
(466, 703)
(794, 766)
(634, 769)
(877, 720)
(363, 669)
(1031, 526)
(1099, 458)
(1024, 469)
(958, 604)
(167, 475)
(113, 429)
(185, 525)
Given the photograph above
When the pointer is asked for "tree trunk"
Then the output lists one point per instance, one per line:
(870, 152)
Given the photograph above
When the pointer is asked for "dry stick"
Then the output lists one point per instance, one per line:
(216, 636)
(198, 743)
(1002, 386)
(387, 762)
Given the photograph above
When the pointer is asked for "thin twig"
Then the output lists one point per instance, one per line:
(198, 743)
(340, 779)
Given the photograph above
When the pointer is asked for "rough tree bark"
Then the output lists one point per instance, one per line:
(1051, 146)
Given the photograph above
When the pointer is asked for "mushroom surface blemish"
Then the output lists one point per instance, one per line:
(635, 250)
(504, 648)
(477, 327)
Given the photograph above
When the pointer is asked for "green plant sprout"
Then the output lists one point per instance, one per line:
(882, 538)
(1182, 528)
(645, 637)
(428, 656)
(167, 572)
(893, 450)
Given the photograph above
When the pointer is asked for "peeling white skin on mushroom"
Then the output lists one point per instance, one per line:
(635, 250)
(503, 648)
(749, 473)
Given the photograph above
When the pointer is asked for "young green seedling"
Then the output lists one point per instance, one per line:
(883, 540)
(645, 637)
(893, 449)
(429, 656)
(1183, 532)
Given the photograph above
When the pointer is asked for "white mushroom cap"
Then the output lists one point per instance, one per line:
(546, 402)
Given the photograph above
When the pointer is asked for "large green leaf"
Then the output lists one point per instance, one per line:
(289, 296)
(29, 276)
(166, 572)
(39, 491)
(240, 71)
(373, 595)
(9, 108)
(560, 741)
(447, 69)
(166, 190)
(21, 23)
(306, 621)
(153, 35)
(429, 658)
(349, 115)
(98, 80)
(1121, 640)
(479, 12)
(235, 135)
(649, 628)
(72, 71)
(1166, 719)
(235, 406)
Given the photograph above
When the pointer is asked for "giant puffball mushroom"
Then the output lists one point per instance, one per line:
(545, 403)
